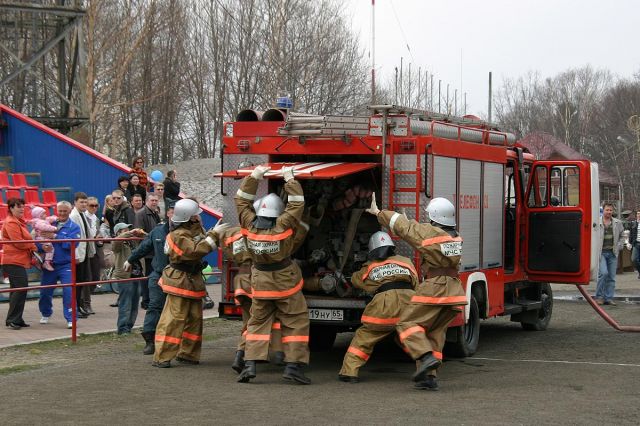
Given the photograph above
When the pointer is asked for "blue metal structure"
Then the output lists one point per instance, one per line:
(64, 162)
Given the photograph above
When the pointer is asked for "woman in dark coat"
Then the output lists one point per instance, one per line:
(136, 188)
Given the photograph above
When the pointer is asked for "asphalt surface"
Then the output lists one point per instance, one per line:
(579, 371)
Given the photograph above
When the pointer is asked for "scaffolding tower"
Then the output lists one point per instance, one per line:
(42, 61)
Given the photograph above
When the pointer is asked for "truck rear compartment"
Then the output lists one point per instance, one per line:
(336, 244)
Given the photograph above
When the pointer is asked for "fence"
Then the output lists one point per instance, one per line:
(73, 284)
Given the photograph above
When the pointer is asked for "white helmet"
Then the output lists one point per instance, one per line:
(268, 206)
(184, 209)
(381, 246)
(380, 239)
(442, 211)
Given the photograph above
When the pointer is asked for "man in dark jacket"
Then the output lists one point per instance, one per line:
(121, 213)
(634, 240)
(171, 187)
(153, 245)
(146, 219)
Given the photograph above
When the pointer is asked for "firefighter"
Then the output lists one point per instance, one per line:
(392, 279)
(276, 281)
(234, 247)
(440, 297)
(179, 330)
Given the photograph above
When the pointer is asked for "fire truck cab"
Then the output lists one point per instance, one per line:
(524, 223)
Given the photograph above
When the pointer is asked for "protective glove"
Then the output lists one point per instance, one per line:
(126, 266)
(628, 246)
(373, 209)
(213, 234)
(217, 230)
(259, 171)
(220, 227)
(287, 173)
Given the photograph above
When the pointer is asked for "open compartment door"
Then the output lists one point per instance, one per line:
(561, 205)
(313, 170)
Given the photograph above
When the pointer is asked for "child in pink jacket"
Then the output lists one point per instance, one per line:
(44, 230)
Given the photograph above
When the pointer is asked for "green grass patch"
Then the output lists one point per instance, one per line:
(66, 343)
(5, 371)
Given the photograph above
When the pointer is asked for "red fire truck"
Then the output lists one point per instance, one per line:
(524, 223)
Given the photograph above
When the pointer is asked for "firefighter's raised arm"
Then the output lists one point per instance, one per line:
(247, 194)
(292, 214)
(410, 231)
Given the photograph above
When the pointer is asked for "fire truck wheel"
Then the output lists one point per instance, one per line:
(321, 339)
(544, 314)
(466, 336)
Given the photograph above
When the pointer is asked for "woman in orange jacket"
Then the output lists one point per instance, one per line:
(137, 168)
(15, 260)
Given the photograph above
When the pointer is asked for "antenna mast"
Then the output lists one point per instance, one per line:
(373, 52)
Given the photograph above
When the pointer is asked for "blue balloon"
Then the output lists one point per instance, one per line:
(157, 176)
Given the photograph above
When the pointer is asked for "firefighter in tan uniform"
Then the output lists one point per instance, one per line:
(179, 330)
(234, 247)
(440, 297)
(392, 279)
(276, 281)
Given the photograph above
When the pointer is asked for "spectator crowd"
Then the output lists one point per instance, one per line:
(132, 211)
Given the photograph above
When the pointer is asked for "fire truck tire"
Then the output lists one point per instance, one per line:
(322, 338)
(466, 336)
(544, 314)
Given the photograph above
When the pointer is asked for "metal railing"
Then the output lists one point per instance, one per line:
(73, 284)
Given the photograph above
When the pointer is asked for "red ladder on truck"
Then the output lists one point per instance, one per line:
(394, 189)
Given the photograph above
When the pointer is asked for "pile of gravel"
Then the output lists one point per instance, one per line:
(196, 179)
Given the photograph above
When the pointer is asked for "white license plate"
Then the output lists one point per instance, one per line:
(326, 314)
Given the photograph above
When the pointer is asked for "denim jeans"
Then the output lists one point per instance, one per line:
(635, 257)
(128, 306)
(156, 303)
(607, 275)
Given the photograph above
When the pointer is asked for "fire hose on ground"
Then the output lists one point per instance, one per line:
(613, 323)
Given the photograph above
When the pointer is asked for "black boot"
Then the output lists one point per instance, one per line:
(427, 362)
(278, 359)
(348, 379)
(431, 384)
(248, 372)
(238, 362)
(150, 346)
(187, 361)
(293, 371)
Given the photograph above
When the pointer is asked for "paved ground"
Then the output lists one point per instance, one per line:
(628, 289)
(580, 371)
(104, 320)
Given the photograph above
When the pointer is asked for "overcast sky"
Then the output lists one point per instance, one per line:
(508, 37)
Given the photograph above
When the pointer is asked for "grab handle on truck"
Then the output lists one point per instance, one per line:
(427, 188)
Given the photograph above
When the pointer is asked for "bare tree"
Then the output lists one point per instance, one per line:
(588, 109)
